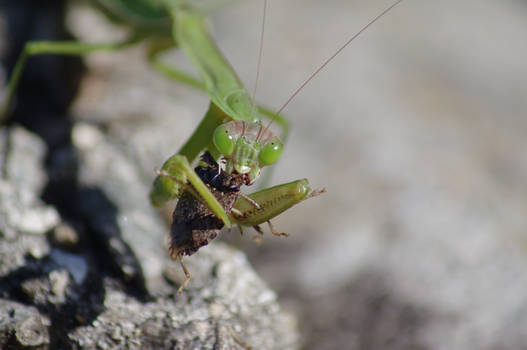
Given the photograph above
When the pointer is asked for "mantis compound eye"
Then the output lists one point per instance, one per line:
(271, 151)
(223, 140)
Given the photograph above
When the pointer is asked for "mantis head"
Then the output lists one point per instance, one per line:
(247, 147)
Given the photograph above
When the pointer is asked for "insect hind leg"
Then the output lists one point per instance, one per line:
(187, 275)
(276, 233)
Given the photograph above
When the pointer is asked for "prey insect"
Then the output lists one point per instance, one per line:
(194, 225)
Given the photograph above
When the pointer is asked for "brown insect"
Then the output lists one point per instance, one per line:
(194, 225)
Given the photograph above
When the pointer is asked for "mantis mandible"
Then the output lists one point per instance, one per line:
(231, 130)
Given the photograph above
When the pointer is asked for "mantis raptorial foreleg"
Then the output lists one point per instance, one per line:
(178, 171)
(251, 210)
(164, 188)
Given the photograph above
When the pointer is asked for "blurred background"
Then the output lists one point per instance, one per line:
(416, 131)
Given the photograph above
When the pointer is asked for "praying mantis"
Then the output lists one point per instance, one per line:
(231, 132)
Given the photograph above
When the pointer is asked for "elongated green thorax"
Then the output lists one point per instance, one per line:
(221, 82)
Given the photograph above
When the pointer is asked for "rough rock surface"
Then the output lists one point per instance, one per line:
(232, 305)
(21, 210)
(22, 327)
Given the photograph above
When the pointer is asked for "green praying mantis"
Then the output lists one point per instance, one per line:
(231, 131)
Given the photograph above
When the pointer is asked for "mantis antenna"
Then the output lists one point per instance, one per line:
(258, 65)
(327, 61)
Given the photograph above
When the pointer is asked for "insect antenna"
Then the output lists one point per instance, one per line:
(258, 65)
(327, 61)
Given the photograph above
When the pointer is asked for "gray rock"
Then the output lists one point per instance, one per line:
(20, 207)
(22, 327)
(23, 216)
(119, 209)
(27, 273)
(53, 288)
(226, 304)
